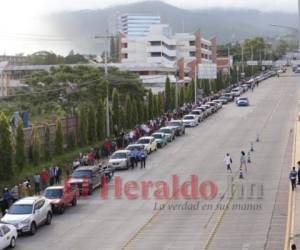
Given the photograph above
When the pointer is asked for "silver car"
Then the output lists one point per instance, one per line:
(28, 214)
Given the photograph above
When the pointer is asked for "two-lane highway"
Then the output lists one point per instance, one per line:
(138, 224)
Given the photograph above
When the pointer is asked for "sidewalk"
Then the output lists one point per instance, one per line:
(295, 196)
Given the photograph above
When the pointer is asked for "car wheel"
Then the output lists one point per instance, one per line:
(49, 218)
(62, 209)
(12, 242)
(74, 202)
(33, 228)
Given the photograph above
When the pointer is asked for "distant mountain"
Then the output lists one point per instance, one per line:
(226, 25)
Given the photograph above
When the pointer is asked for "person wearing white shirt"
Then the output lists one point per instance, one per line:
(228, 161)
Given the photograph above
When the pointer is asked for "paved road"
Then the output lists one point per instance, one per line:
(137, 224)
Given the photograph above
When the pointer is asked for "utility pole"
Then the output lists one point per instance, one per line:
(243, 69)
(106, 37)
(195, 82)
(299, 24)
(229, 73)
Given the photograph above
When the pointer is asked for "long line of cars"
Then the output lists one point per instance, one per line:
(27, 214)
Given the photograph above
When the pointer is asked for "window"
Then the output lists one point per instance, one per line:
(1, 233)
(155, 43)
(125, 45)
(155, 54)
(192, 53)
(192, 43)
(5, 229)
(39, 204)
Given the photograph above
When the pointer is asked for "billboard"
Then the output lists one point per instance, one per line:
(252, 63)
(207, 71)
(267, 63)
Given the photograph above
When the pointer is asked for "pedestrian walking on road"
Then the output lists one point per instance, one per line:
(228, 162)
(243, 161)
(293, 175)
(298, 169)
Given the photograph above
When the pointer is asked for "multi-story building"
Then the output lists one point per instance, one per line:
(136, 25)
(182, 50)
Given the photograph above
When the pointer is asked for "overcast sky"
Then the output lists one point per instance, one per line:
(33, 7)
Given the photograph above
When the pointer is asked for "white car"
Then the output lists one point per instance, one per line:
(190, 120)
(219, 103)
(8, 236)
(199, 113)
(236, 91)
(149, 143)
(28, 214)
(120, 159)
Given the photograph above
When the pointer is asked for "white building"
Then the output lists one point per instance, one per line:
(136, 25)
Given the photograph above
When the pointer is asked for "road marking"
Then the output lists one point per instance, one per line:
(290, 212)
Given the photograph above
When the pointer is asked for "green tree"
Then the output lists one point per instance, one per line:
(122, 119)
(6, 151)
(20, 146)
(146, 113)
(140, 111)
(150, 104)
(135, 117)
(59, 138)
(155, 106)
(115, 109)
(167, 94)
(173, 97)
(47, 145)
(92, 136)
(83, 127)
(181, 96)
(72, 139)
(36, 147)
(160, 104)
(128, 112)
(100, 121)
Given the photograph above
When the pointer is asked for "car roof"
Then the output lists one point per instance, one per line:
(28, 200)
(121, 151)
(85, 168)
(160, 133)
(134, 145)
(189, 115)
(55, 187)
(146, 137)
(196, 110)
(168, 127)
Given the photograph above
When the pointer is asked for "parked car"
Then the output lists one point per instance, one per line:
(178, 125)
(120, 159)
(219, 103)
(204, 110)
(229, 96)
(199, 114)
(160, 138)
(190, 120)
(242, 101)
(87, 175)
(169, 131)
(223, 99)
(214, 106)
(8, 236)
(61, 196)
(236, 92)
(28, 214)
(149, 143)
(208, 109)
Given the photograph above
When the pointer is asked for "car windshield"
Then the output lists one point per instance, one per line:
(165, 130)
(82, 173)
(143, 141)
(174, 123)
(131, 148)
(20, 209)
(189, 118)
(243, 99)
(157, 136)
(195, 112)
(53, 193)
(118, 155)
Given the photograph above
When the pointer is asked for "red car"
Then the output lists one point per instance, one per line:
(61, 196)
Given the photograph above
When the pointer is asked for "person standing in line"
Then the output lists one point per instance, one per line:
(228, 162)
(6, 198)
(143, 159)
(37, 183)
(15, 194)
(243, 161)
(298, 170)
(292, 177)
